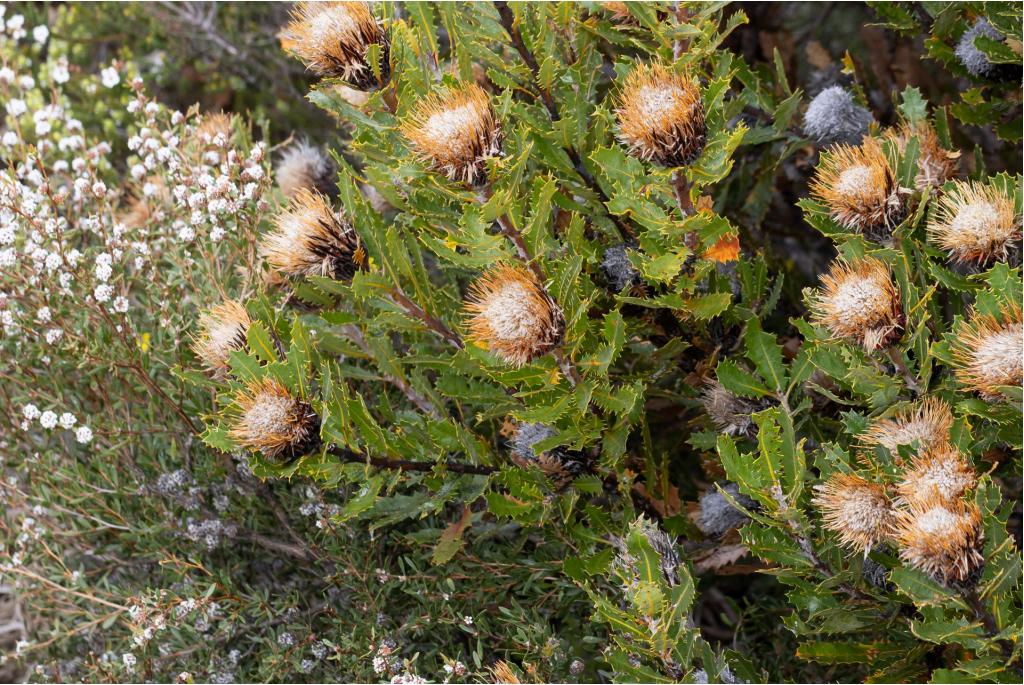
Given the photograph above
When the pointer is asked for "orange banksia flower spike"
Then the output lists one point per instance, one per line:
(859, 302)
(333, 38)
(927, 423)
(269, 419)
(988, 350)
(858, 187)
(512, 315)
(455, 132)
(224, 330)
(857, 510)
(975, 224)
(309, 239)
(943, 539)
(661, 116)
(941, 473)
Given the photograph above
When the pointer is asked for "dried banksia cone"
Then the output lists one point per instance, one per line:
(940, 473)
(305, 166)
(935, 164)
(269, 419)
(859, 302)
(975, 224)
(857, 510)
(988, 351)
(513, 316)
(928, 424)
(661, 116)
(729, 413)
(943, 539)
(333, 38)
(455, 132)
(224, 330)
(309, 239)
(859, 188)
(559, 464)
(716, 515)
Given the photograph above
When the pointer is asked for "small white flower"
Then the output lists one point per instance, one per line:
(83, 435)
(40, 34)
(468, 620)
(7, 75)
(110, 77)
(27, 82)
(53, 335)
(102, 293)
(60, 72)
(10, 139)
(30, 412)
(129, 661)
(67, 420)
(48, 420)
(16, 107)
(120, 304)
(43, 315)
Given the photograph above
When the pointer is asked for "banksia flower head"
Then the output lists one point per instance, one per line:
(224, 330)
(928, 424)
(269, 419)
(305, 166)
(311, 240)
(974, 60)
(513, 316)
(940, 473)
(935, 164)
(859, 188)
(617, 268)
(834, 117)
(332, 40)
(661, 116)
(975, 224)
(729, 413)
(859, 302)
(988, 352)
(455, 132)
(858, 511)
(942, 538)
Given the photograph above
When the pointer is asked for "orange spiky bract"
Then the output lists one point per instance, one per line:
(941, 473)
(975, 224)
(927, 423)
(661, 116)
(859, 188)
(332, 40)
(455, 131)
(935, 164)
(987, 351)
(942, 538)
(267, 418)
(309, 239)
(857, 510)
(512, 315)
(859, 302)
(224, 329)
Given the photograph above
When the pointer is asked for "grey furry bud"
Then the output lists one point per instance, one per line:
(833, 117)
(726, 676)
(559, 464)
(618, 269)
(717, 516)
(875, 573)
(974, 60)
(527, 435)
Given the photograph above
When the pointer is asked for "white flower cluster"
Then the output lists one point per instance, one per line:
(49, 420)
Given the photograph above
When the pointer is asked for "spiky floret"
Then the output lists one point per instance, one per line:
(859, 188)
(303, 165)
(311, 240)
(332, 39)
(941, 538)
(513, 316)
(267, 418)
(927, 423)
(935, 164)
(455, 131)
(987, 351)
(941, 473)
(223, 330)
(661, 116)
(834, 117)
(975, 223)
(857, 510)
(974, 60)
(859, 302)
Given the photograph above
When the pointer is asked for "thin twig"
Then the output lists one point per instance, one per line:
(410, 465)
(908, 378)
(417, 312)
(424, 404)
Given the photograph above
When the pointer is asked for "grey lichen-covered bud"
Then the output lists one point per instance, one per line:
(618, 269)
(559, 464)
(974, 60)
(726, 676)
(717, 516)
(660, 541)
(834, 117)
(875, 574)
(729, 413)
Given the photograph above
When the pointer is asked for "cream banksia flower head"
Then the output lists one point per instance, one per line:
(224, 329)
(988, 350)
(975, 223)
(455, 131)
(927, 423)
(267, 418)
(332, 39)
(661, 116)
(513, 316)
(309, 239)
(935, 164)
(859, 188)
(859, 302)
(941, 538)
(857, 510)
(305, 166)
(941, 473)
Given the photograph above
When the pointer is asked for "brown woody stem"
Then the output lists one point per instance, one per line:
(410, 465)
(417, 312)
